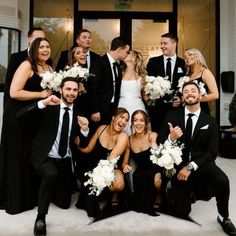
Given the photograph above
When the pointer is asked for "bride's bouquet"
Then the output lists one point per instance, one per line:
(101, 176)
(185, 79)
(167, 155)
(156, 87)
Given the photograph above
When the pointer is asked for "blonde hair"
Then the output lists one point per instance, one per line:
(200, 59)
(139, 67)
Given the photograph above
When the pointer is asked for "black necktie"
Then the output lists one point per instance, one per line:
(188, 132)
(115, 70)
(64, 133)
(168, 68)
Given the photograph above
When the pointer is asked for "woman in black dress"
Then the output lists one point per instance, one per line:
(197, 70)
(108, 142)
(17, 187)
(147, 176)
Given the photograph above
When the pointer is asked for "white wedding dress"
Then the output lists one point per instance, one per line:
(130, 98)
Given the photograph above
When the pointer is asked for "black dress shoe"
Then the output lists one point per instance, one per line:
(152, 212)
(40, 228)
(227, 226)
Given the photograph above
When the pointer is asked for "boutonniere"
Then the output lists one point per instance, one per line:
(180, 70)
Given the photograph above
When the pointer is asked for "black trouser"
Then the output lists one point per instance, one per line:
(56, 184)
(206, 183)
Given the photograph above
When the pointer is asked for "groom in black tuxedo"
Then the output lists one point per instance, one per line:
(157, 66)
(105, 91)
(197, 177)
(53, 151)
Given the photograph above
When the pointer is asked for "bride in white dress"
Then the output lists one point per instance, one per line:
(131, 91)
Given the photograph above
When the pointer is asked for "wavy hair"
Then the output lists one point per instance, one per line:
(139, 67)
(200, 59)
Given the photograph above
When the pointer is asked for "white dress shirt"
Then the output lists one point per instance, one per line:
(55, 147)
(111, 60)
(88, 59)
(194, 118)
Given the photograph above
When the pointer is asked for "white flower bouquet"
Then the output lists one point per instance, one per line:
(156, 87)
(101, 176)
(76, 71)
(185, 79)
(51, 80)
(167, 155)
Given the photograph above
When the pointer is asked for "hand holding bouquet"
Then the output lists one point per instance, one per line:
(167, 155)
(101, 176)
(51, 80)
(156, 87)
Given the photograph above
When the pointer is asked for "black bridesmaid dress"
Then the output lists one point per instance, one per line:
(18, 180)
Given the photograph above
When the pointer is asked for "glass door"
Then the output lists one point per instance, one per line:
(143, 34)
(103, 31)
(146, 35)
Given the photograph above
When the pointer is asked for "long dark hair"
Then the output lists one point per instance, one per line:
(33, 53)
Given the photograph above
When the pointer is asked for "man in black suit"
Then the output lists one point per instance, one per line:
(84, 40)
(197, 176)
(17, 58)
(157, 66)
(105, 91)
(52, 159)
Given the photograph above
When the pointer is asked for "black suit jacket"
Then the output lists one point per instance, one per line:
(102, 89)
(204, 149)
(63, 60)
(15, 60)
(43, 141)
(156, 67)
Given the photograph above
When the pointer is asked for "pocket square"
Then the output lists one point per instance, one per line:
(180, 70)
(204, 127)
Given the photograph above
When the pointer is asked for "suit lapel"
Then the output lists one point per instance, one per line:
(55, 116)
(162, 66)
(74, 123)
(201, 122)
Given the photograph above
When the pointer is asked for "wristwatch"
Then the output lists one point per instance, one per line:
(189, 167)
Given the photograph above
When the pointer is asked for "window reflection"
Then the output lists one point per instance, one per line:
(9, 43)
(146, 35)
(103, 31)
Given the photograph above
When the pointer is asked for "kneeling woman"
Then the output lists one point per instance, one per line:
(108, 142)
(147, 176)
